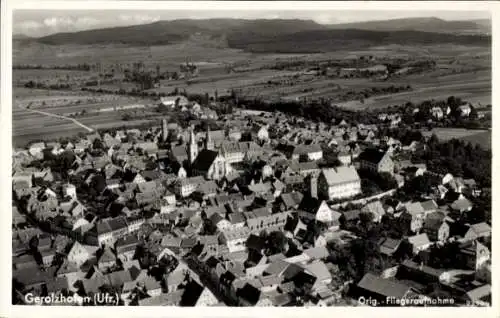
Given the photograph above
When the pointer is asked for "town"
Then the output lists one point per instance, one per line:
(256, 208)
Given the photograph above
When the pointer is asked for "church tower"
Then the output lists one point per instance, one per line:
(164, 129)
(192, 147)
(209, 144)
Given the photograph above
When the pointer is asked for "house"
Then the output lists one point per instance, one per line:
(420, 273)
(381, 289)
(461, 205)
(349, 218)
(69, 190)
(235, 239)
(464, 110)
(174, 101)
(125, 247)
(324, 214)
(474, 254)
(174, 280)
(344, 157)
(111, 229)
(480, 296)
(206, 189)
(319, 270)
(308, 152)
(210, 164)
(79, 253)
(436, 227)
(289, 201)
(413, 215)
(107, 260)
(170, 299)
(376, 209)
(340, 182)
(185, 187)
(389, 246)
(375, 160)
(419, 242)
(36, 149)
(437, 112)
(151, 286)
(261, 219)
(478, 230)
(219, 222)
(260, 133)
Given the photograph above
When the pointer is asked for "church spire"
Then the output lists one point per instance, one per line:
(192, 146)
(209, 145)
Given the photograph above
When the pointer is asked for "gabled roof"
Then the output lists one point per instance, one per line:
(372, 155)
(319, 270)
(481, 228)
(414, 208)
(319, 252)
(461, 204)
(385, 287)
(374, 207)
(340, 175)
(107, 256)
(419, 240)
(389, 246)
(429, 205)
(204, 160)
(479, 293)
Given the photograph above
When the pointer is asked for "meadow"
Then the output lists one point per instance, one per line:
(481, 137)
(463, 71)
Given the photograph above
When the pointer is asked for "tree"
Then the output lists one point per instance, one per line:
(97, 144)
(276, 242)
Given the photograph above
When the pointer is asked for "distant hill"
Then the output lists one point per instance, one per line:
(167, 32)
(20, 37)
(421, 24)
(330, 40)
(280, 35)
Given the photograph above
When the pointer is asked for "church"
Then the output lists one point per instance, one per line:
(208, 162)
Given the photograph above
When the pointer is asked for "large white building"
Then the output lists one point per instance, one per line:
(340, 182)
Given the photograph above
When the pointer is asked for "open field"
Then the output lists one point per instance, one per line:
(474, 90)
(28, 126)
(481, 137)
(463, 71)
(20, 76)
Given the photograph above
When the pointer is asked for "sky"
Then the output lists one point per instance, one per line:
(37, 23)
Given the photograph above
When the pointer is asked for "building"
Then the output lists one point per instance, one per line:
(164, 130)
(111, 229)
(375, 160)
(80, 253)
(464, 110)
(340, 182)
(381, 290)
(437, 112)
(436, 227)
(235, 239)
(185, 187)
(308, 152)
(260, 133)
(69, 190)
(192, 150)
(174, 101)
(210, 164)
(419, 242)
(478, 230)
(234, 151)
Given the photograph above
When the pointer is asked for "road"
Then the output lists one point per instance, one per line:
(76, 122)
